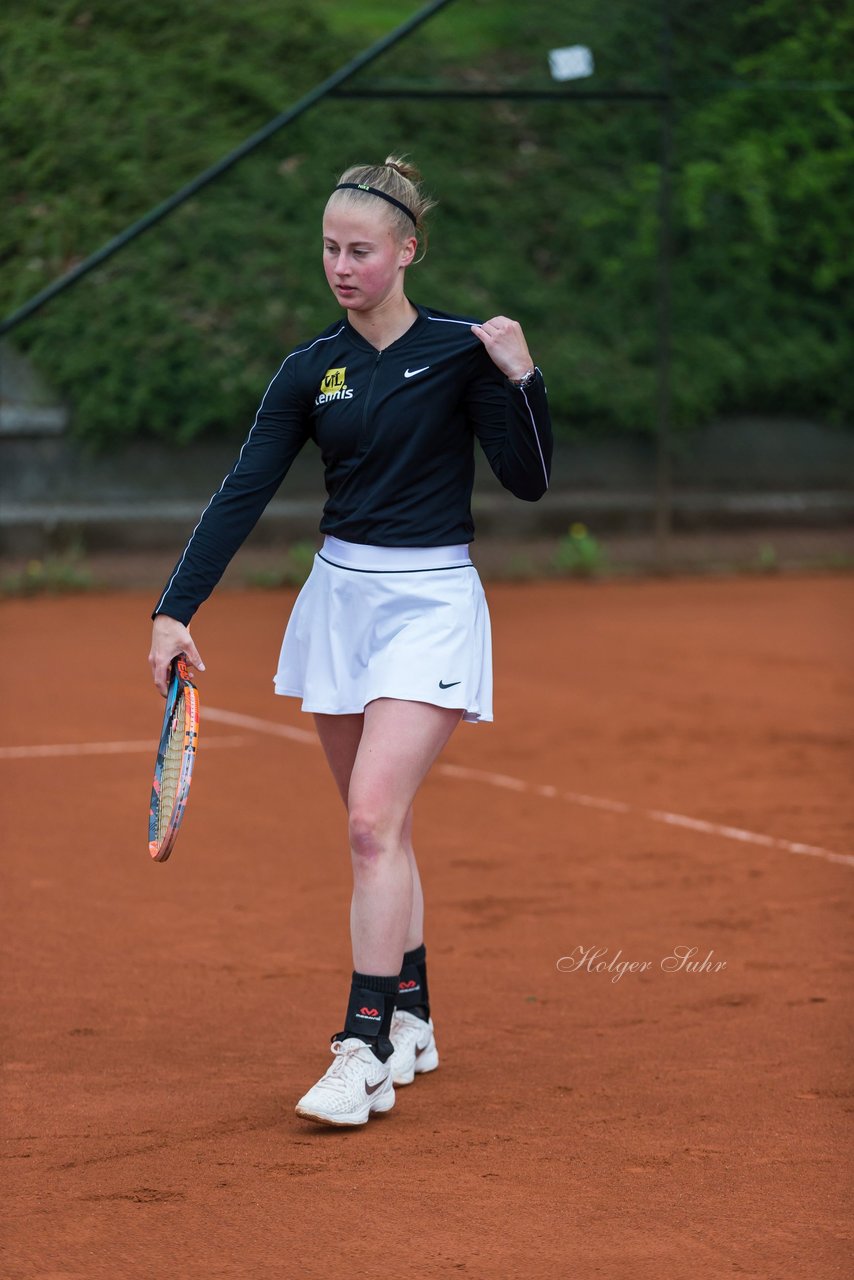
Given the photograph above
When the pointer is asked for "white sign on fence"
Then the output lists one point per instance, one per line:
(572, 63)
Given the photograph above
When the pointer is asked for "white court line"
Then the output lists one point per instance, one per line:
(261, 726)
(508, 783)
(655, 815)
(501, 780)
(102, 748)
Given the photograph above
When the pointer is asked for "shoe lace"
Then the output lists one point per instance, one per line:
(338, 1071)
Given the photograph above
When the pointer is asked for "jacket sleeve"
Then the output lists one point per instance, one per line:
(513, 426)
(280, 430)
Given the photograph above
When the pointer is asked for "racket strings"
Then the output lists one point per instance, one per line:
(174, 767)
(173, 762)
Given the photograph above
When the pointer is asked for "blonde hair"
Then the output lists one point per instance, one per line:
(399, 179)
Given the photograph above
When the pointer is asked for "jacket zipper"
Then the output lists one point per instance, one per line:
(368, 393)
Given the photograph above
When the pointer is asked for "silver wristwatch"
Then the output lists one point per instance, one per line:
(525, 380)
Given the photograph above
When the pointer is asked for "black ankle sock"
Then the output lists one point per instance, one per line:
(412, 995)
(369, 1011)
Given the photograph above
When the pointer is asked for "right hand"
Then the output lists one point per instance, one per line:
(168, 637)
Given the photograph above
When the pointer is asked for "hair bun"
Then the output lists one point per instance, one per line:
(406, 170)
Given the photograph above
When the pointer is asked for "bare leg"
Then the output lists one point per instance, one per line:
(380, 765)
(340, 737)
(415, 933)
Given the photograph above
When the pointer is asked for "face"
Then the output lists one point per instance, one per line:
(363, 257)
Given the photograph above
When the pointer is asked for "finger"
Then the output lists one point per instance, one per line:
(163, 669)
(193, 656)
(154, 663)
(161, 677)
(487, 332)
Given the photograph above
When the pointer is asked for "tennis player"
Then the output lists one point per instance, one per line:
(388, 643)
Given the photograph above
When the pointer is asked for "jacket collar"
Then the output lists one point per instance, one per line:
(399, 343)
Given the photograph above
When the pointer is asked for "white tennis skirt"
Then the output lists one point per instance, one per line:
(389, 622)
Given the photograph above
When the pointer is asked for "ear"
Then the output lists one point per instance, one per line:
(408, 250)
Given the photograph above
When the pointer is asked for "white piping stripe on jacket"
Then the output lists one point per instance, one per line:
(444, 320)
(536, 433)
(239, 456)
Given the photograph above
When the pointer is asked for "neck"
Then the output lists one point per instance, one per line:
(385, 323)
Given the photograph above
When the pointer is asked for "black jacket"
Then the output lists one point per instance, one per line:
(396, 431)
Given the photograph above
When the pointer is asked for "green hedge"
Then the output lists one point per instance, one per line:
(547, 212)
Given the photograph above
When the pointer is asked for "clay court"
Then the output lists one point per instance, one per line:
(670, 767)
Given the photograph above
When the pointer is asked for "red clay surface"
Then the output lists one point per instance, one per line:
(161, 1020)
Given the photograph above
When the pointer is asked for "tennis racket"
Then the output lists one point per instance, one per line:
(175, 755)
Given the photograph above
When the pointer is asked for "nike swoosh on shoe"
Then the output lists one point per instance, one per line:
(372, 1088)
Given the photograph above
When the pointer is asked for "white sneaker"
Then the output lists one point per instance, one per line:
(356, 1084)
(414, 1047)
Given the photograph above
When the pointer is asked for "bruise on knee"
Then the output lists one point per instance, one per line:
(372, 834)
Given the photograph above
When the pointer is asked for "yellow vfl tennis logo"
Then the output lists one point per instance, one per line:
(334, 386)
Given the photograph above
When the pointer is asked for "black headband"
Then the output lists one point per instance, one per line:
(383, 195)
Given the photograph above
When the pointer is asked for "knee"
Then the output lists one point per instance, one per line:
(369, 836)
